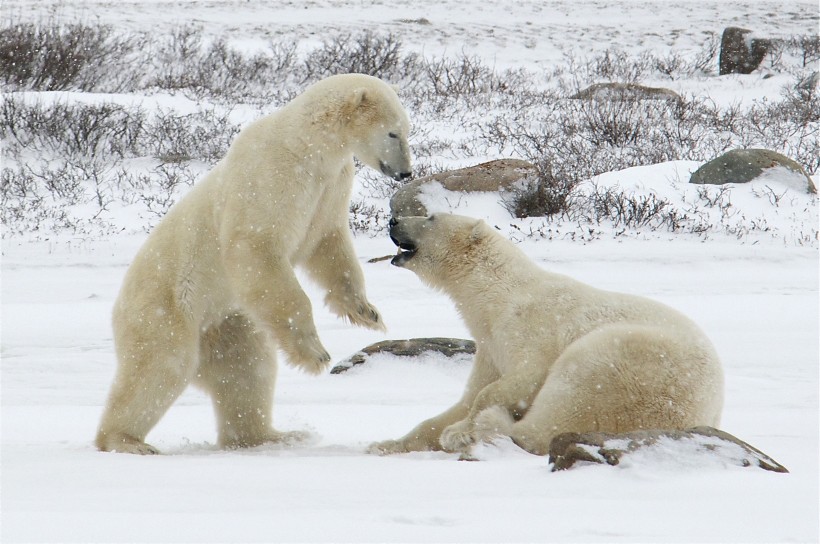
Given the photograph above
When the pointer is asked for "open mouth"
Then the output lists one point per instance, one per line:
(405, 252)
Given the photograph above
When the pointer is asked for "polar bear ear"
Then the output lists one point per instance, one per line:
(477, 231)
(357, 100)
(358, 97)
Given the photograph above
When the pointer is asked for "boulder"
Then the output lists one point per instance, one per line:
(626, 91)
(449, 347)
(745, 165)
(498, 175)
(566, 449)
(740, 53)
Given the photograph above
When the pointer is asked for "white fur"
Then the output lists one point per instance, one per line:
(212, 293)
(554, 355)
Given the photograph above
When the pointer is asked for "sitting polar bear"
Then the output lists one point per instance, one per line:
(212, 293)
(553, 355)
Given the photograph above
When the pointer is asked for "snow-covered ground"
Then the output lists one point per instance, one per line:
(756, 295)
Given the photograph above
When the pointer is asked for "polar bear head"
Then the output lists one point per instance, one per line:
(442, 248)
(369, 118)
(380, 129)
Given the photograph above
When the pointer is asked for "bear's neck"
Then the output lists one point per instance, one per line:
(314, 135)
(488, 281)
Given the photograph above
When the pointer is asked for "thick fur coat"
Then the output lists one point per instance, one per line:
(553, 355)
(212, 293)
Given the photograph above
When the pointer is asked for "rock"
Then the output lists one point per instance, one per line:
(421, 21)
(745, 165)
(739, 52)
(568, 448)
(626, 91)
(413, 347)
(490, 176)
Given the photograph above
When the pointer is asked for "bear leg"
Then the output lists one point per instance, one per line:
(334, 266)
(155, 366)
(269, 291)
(238, 370)
(623, 378)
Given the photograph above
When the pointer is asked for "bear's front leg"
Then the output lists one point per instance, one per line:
(459, 436)
(424, 437)
(427, 435)
(334, 266)
(512, 393)
(301, 344)
(355, 309)
(268, 290)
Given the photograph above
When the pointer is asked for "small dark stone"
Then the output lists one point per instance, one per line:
(413, 347)
(421, 21)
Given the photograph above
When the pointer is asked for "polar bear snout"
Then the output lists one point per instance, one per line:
(398, 175)
(390, 152)
(413, 235)
(406, 244)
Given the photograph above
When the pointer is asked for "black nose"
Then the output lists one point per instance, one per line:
(401, 176)
(393, 222)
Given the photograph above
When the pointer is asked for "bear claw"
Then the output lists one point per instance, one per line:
(117, 443)
(458, 437)
(386, 447)
(366, 316)
(310, 357)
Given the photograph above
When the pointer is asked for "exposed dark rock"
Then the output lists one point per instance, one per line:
(413, 347)
(626, 91)
(498, 175)
(745, 165)
(566, 449)
(421, 21)
(739, 52)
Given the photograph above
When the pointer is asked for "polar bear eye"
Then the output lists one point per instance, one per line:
(392, 135)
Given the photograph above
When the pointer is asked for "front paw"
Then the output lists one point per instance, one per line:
(356, 311)
(308, 354)
(367, 316)
(458, 436)
(387, 447)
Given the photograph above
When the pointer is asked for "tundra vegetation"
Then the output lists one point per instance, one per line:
(72, 164)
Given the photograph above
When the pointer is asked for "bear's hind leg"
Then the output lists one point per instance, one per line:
(622, 378)
(154, 367)
(238, 370)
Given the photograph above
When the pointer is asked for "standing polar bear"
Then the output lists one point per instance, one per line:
(212, 293)
(553, 355)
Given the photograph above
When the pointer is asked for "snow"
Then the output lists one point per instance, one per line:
(756, 295)
(759, 305)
